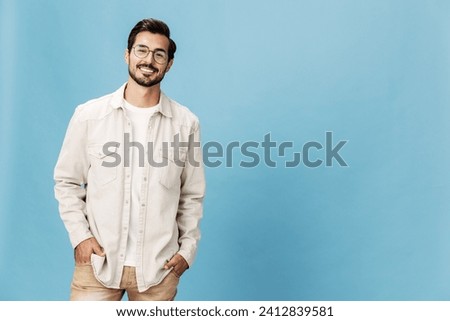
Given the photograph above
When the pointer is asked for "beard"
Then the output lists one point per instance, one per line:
(147, 81)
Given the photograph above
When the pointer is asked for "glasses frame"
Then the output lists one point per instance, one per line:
(153, 53)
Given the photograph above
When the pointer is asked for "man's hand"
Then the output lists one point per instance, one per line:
(84, 250)
(178, 263)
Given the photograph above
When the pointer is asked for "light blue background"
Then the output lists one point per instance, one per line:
(373, 72)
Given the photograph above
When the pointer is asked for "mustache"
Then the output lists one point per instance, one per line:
(151, 67)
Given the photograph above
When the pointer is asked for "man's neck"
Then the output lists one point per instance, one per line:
(140, 96)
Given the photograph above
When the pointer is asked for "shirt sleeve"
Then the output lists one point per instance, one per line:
(190, 207)
(70, 175)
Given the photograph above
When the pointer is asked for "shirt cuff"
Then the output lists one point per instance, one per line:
(78, 237)
(189, 257)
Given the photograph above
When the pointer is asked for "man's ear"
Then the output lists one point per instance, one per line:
(127, 56)
(169, 65)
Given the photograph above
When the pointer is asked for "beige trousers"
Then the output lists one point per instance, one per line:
(85, 287)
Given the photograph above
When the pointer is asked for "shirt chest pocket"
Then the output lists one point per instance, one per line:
(173, 161)
(104, 163)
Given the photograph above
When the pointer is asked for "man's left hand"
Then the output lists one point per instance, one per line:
(178, 263)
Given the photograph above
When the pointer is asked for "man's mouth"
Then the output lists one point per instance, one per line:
(147, 69)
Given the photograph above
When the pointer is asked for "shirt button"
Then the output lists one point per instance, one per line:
(143, 205)
(145, 179)
(126, 202)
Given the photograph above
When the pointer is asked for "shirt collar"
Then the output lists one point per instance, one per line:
(117, 101)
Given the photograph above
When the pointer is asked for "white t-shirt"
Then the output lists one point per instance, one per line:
(139, 118)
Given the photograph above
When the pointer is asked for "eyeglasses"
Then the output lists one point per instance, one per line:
(159, 55)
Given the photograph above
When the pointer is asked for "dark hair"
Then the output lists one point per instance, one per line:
(153, 26)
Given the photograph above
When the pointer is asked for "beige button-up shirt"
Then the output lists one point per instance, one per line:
(93, 186)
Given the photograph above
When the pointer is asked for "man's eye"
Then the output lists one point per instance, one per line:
(160, 54)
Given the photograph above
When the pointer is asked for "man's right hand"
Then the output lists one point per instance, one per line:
(84, 250)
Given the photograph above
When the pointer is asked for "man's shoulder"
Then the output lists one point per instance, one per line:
(96, 108)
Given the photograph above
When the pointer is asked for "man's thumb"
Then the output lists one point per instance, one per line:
(98, 250)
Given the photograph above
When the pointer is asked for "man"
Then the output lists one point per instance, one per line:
(130, 182)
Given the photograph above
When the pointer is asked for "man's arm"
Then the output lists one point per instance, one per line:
(70, 177)
(190, 207)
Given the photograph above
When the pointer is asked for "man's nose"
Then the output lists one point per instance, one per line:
(149, 58)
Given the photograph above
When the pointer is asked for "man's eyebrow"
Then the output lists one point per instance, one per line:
(141, 45)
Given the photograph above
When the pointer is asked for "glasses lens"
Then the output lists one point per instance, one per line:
(160, 56)
(141, 51)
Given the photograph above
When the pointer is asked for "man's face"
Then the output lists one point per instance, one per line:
(146, 71)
